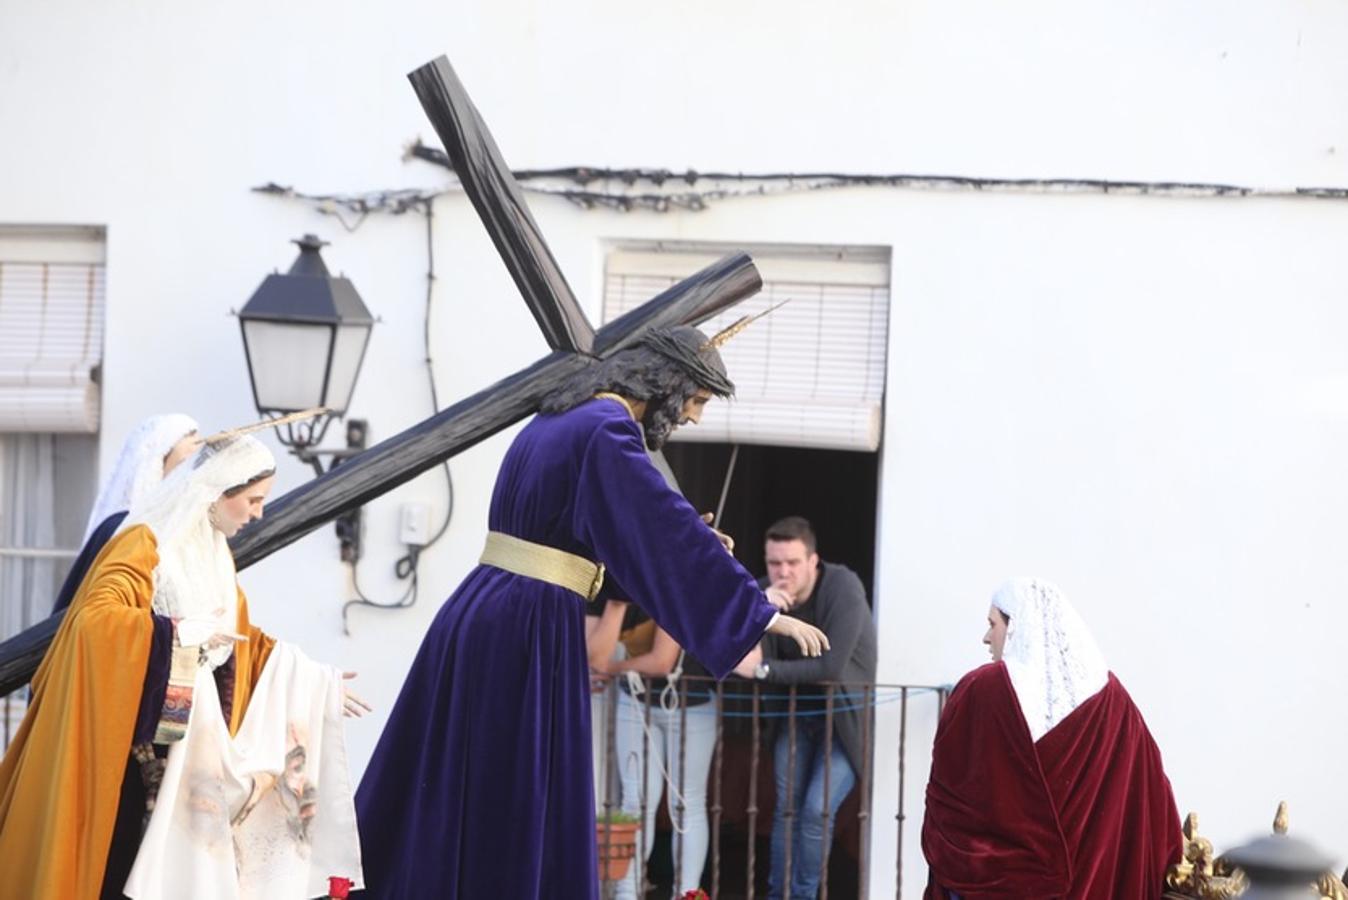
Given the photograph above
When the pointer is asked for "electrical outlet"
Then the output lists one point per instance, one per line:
(414, 524)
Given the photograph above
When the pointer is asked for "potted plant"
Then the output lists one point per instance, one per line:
(616, 836)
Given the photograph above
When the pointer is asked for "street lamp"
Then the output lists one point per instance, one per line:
(304, 336)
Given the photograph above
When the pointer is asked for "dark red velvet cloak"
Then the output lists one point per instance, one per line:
(1087, 812)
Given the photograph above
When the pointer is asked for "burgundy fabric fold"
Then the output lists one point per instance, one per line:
(1087, 812)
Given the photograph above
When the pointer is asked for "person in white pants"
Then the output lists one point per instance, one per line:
(673, 757)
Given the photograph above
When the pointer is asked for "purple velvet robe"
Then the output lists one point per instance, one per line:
(481, 785)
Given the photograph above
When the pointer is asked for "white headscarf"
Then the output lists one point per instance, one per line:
(195, 579)
(140, 465)
(1053, 661)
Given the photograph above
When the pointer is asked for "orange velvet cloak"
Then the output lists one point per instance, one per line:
(60, 780)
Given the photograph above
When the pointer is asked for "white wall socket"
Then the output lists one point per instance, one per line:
(414, 524)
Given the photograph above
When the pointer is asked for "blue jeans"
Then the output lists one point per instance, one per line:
(811, 824)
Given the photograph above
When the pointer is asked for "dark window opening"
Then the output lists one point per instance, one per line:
(838, 492)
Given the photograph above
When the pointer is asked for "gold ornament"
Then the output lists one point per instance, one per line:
(722, 337)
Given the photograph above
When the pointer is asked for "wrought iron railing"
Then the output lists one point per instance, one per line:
(740, 797)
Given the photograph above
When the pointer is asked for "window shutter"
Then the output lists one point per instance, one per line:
(811, 374)
(51, 328)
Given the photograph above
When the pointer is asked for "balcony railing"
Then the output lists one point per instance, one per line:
(740, 782)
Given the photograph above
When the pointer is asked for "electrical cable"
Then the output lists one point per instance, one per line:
(406, 566)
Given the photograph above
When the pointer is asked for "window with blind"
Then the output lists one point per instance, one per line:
(51, 328)
(811, 374)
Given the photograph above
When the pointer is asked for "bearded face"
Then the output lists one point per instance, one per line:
(656, 427)
(664, 414)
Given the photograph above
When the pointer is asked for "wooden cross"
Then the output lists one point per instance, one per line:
(574, 342)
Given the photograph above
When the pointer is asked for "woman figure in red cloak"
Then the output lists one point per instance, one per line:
(1045, 782)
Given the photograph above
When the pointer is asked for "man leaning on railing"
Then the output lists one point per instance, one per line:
(830, 597)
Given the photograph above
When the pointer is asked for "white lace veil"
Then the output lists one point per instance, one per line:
(140, 465)
(195, 578)
(1053, 661)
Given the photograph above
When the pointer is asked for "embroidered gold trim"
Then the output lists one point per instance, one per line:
(609, 395)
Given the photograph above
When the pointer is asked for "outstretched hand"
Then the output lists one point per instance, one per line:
(810, 640)
(352, 705)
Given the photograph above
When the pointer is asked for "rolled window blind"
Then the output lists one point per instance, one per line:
(51, 328)
(811, 374)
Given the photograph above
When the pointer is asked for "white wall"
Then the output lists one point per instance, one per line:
(1145, 401)
(1141, 398)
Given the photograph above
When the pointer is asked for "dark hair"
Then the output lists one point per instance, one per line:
(637, 373)
(794, 528)
(240, 488)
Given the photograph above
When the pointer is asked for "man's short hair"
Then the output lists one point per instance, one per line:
(794, 528)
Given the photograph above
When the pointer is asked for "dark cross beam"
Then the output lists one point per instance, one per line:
(500, 204)
(496, 195)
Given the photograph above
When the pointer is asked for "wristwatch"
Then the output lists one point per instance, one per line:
(761, 672)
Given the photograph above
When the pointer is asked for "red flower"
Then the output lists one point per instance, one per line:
(696, 894)
(339, 888)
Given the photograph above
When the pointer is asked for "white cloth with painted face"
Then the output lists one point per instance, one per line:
(140, 465)
(1054, 662)
(266, 814)
(195, 581)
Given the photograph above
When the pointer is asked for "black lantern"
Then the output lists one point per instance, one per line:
(305, 334)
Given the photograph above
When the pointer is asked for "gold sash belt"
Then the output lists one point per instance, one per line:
(575, 573)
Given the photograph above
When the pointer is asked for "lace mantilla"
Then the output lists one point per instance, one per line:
(1052, 659)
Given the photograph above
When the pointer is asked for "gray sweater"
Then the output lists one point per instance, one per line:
(838, 608)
